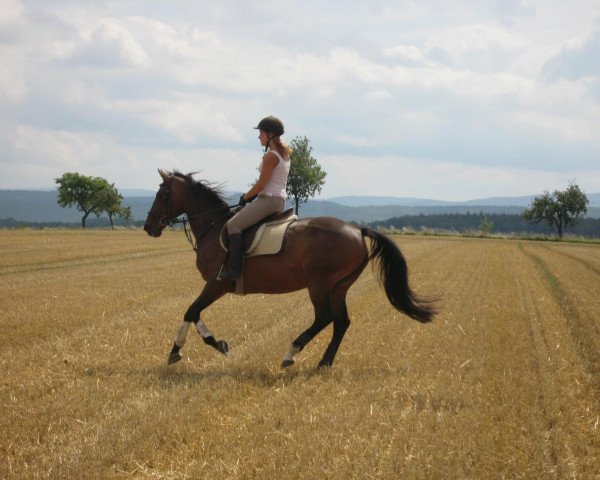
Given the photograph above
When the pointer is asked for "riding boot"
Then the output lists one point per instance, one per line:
(232, 269)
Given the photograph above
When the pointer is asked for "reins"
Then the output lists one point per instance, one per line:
(188, 229)
(187, 218)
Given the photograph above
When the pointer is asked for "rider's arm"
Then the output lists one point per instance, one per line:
(269, 162)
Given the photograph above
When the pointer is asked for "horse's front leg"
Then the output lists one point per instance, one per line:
(211, 292)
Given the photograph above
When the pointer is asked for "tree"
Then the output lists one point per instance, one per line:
(560, 208)
(109, 201)
(486, 226)
(306, 176)
(90, 195)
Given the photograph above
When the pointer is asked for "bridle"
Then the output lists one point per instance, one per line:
(164, 221)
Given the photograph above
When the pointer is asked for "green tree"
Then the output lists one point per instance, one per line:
(109, 200)
(486, 226)
(306, 176)
(89, 195)
(560, 209)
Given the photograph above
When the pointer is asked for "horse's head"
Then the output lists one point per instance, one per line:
(179, 194)
(166, 206)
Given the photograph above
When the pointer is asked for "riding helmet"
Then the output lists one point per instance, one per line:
(272, 125)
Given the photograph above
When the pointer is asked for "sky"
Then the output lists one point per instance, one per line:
(432, 99)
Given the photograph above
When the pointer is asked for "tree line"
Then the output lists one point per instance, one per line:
(485, 223)
(560, 210)
(460, 222)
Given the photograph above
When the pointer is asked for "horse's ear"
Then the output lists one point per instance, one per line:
(163, 174)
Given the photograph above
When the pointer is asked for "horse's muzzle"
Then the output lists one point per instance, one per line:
(153, 230)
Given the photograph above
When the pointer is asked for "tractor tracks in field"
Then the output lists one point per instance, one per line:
(85, 261)
(565, 335)
(585, 332)
(575, 258)
(543, 363)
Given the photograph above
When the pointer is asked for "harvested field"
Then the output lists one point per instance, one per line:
(505, 383)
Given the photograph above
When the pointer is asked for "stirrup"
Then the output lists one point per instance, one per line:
(229, 274)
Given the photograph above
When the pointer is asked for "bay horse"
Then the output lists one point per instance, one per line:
(324, 255)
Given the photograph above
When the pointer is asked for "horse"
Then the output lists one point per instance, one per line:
(322, 254)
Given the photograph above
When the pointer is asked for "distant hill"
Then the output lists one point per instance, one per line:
(370, 201)
(367, 214)
(523, 201)
(137, 192)
(41, 206)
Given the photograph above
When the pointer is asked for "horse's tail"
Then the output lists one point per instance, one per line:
(393, 274)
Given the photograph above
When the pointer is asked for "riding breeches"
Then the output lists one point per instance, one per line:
(254, 212)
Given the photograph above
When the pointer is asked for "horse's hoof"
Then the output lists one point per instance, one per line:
(223, 347)
(287, 363)
(174, 358)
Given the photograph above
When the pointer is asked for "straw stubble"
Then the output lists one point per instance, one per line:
(503, 383)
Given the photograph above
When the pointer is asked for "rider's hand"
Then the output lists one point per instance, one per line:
(243, 201)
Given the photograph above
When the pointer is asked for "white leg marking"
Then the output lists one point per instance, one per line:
(182, 334)
(202, 330)
(289, 356)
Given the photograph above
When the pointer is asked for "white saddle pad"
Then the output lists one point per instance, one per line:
(268, 239)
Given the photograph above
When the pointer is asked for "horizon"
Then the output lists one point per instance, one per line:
(151, 192)
(436, 101)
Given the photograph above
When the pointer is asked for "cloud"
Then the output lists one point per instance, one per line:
(577, 58)
(110, 44)
(476, 48)
(188, 117)
(408, 55)
(34, 157)
(10, 12)
(447, 84)
(455, 181)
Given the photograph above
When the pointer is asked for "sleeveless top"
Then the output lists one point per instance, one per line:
(276, 185)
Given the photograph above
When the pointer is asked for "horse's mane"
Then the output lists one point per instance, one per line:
(207, 190)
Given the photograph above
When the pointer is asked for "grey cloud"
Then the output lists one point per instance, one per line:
(578, 58)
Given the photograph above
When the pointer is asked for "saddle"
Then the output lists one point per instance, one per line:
(265, 237)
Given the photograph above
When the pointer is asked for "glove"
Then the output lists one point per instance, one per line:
(243, 201)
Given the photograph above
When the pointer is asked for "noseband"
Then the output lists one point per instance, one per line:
(164, 207)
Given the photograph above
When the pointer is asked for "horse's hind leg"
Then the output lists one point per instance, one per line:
(211, 292)
(339, 310)
(323, 318)
(341, 322)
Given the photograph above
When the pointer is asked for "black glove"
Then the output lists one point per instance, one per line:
(243, 201)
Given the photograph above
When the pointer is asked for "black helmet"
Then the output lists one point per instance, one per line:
(272, 125)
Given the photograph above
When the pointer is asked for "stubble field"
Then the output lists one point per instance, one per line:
(505, 383)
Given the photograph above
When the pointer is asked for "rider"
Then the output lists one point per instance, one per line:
(269, 192)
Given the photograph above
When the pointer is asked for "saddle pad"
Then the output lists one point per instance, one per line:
(271, 233)
(271, 239)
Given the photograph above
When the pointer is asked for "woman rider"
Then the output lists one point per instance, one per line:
(269, 191)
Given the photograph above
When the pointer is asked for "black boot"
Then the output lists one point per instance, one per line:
(232, 269)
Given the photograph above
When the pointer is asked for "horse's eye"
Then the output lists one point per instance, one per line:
(163, 195)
